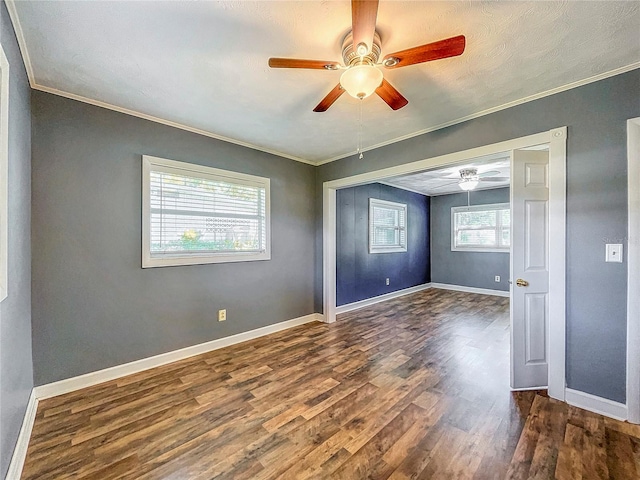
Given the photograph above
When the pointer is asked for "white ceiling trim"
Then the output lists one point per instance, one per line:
(530, 98)
(22, 44)
(13, 14)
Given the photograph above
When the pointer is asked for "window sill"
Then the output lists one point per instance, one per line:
(387, 250)
(481, 250)
(177, 260)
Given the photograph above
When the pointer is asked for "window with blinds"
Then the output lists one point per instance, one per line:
(481, 228)
(387, 226)
(196, 215)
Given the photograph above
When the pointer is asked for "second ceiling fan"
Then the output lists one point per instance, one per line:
(360, 53)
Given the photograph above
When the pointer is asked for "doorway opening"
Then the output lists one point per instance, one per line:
(556, 141)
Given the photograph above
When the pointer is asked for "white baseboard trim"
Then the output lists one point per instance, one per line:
(381, 298)
(595, 404)
(460, 288)
(20, 451)
(89, 379)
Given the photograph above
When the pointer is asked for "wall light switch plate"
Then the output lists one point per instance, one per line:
(614, 252)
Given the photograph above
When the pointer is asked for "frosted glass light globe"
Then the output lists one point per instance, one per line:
(468, 184)
(361, 81)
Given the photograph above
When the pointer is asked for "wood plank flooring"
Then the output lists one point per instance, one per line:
(412, 388)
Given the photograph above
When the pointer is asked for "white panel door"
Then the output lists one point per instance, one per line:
(529, 269)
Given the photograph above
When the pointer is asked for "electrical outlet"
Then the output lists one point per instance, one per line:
(387, 281)
(222, 315)
(497, 279)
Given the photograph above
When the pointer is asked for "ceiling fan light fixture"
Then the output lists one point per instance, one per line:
(468, 184)
(360, 81)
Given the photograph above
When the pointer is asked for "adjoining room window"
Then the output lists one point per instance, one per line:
(4, 173)
(196, 215)
(481, 228)
(387, 226)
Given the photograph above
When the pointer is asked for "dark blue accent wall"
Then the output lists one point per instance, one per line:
(361, 275)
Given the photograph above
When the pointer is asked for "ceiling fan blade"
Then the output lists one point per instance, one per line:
(494, 179)
(444, 185)
(300, 63)
(363, 22)
(488, 173)
(331, 97)
(449, 47)
(389, 94)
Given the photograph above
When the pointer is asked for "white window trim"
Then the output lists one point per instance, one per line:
(149, 164)
(475, 208)
(4, 173)
(375, 202)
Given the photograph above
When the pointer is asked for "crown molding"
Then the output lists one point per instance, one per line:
(22, 44)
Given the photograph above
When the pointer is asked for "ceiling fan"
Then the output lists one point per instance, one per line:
(470, 178)
(361, 49)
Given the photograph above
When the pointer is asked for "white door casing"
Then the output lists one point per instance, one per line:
(529, 269)
(633, 271)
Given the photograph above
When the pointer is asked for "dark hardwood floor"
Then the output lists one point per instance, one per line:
(416, 387)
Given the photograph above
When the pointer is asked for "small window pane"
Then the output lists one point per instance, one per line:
(477, 237)
(506, 218)
(505, 238)
(481, 228)
(477, 219)
(387, 226)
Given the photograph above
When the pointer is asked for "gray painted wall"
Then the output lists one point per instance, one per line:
(93, 305)
(469, 269)
(16, 374)
(596, 117)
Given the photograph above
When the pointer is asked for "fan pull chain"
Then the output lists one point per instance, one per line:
(361, 156)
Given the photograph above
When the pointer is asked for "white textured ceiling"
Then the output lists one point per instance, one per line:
(444, 181)
(203, 65)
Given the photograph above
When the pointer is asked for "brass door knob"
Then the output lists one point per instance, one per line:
(522, 283)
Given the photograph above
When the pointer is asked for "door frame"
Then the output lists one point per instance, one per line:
(557, 140)
(633, 269)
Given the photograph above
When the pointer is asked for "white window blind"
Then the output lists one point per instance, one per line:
(387, 226)
(200, 214)
(481, 228)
